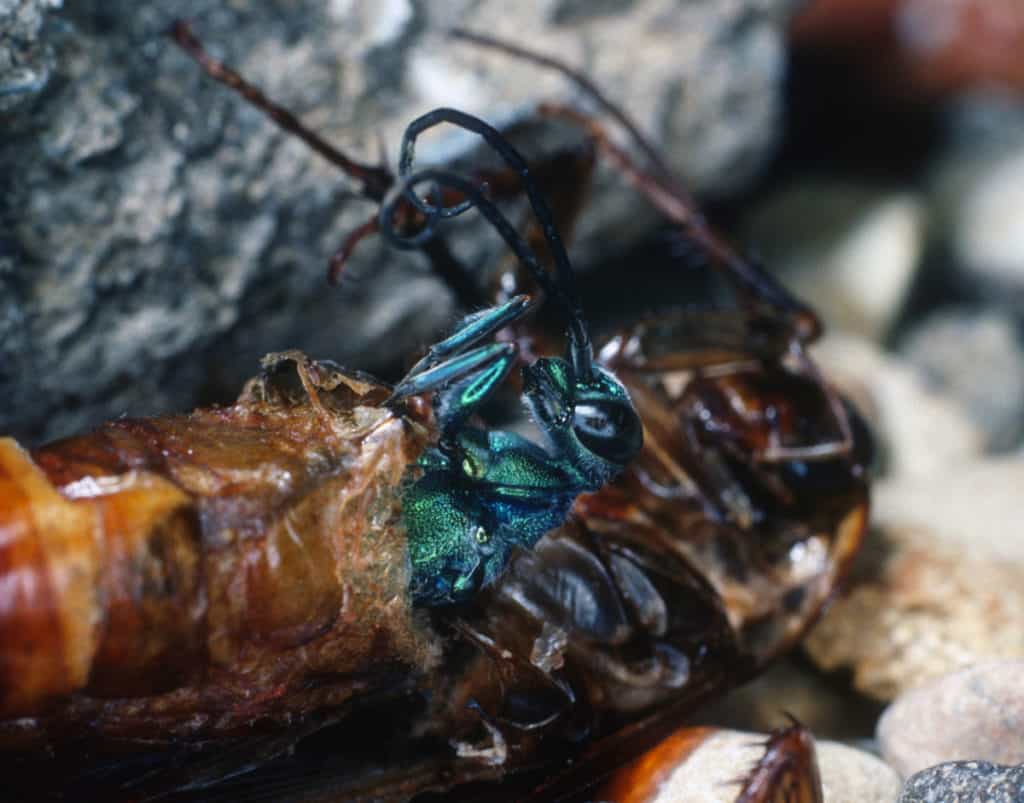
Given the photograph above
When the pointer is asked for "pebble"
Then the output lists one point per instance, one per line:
(977, 186)
(965, 782)
(989, 240)
(977, 713)
(919, 608)
(974, 507)
(709, 772)
(977, 358)
(850, 251)
(920, 432)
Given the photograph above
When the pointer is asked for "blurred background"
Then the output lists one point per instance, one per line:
(158, 235)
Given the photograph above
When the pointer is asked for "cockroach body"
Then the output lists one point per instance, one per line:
(242, 575)
(189, 574)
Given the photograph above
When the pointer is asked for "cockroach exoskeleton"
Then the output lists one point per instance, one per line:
(331, 554)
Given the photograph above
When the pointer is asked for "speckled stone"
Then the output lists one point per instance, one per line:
(158, 235)
(965, 782)
(850, 250)
(919, 608)
(977, 713)
(976, 356)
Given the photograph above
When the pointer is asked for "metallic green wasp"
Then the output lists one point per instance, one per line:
(485, 492)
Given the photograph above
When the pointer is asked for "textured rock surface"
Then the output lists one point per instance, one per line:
(157, 235)
(977, 713)
(939, 585)
(965, 782)
(25, 60)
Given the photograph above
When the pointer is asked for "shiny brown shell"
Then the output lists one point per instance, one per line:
(187, 575)
(192, 577)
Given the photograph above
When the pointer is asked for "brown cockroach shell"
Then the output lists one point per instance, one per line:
(190, 574)
(184, 578)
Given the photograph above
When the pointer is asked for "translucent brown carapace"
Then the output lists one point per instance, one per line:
(190, 574)
(176, 580)
(206, 579)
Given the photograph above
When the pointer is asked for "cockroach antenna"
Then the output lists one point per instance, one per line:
(373, 181)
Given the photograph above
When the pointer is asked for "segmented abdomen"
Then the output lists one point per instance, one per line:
(205, 570)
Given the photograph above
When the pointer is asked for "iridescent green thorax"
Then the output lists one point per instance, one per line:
(482, 494)
(463, 525)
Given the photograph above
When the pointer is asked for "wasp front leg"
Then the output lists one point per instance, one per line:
(461, 374)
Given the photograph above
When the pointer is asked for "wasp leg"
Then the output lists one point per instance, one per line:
(473, 372)
(471, 330)
(463, 377)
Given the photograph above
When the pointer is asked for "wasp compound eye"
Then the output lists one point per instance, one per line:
(610, 429)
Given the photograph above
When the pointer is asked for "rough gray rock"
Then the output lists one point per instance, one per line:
(25, 60)
(965, 782)
(157, 234)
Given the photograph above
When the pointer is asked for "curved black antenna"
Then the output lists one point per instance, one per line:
(564, 291)
(579, 338)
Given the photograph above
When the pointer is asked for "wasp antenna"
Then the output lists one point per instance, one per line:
(563, 291)
(474, 197)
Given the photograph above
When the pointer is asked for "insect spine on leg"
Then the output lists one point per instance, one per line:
(484, 493)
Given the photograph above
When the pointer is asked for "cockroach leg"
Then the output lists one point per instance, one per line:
(788, 770)
(375, 181)
(770, 309)
(339, 259)
(581, 80)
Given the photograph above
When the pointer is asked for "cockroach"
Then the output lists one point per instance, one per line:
(218, 586)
